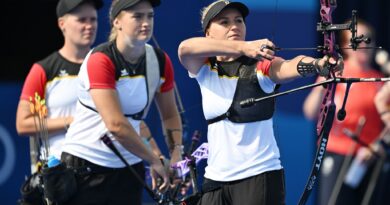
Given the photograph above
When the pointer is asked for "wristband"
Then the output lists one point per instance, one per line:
(308, 69)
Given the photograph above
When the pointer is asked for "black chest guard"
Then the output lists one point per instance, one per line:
(247, 87)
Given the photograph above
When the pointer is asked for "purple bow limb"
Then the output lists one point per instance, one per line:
(202, 152)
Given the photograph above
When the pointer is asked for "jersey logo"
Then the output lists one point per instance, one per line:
(124, 72)
(63, 73)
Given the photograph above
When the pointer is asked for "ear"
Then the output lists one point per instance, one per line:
(207, 34)
(61, 23)
(117, 24)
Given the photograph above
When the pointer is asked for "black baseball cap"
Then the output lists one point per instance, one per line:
(66, 6)
(215, 9)
(125, 4)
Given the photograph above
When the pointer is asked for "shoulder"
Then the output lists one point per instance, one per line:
(50, 60)
(264, 66)
(106, 48)
(162, 56)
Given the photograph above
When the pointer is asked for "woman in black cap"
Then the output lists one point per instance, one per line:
(243, 163)
(55, 77)
(118, 81)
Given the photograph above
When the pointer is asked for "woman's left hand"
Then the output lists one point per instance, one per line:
(329, 64)
(176, 156)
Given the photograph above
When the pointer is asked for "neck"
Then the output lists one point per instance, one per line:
(130, 52)
(74, 53)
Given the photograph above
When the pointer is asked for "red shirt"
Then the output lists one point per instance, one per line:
(360, 103)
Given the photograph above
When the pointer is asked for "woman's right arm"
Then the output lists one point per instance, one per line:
(25, 124)
(108, 106)
(193, 52)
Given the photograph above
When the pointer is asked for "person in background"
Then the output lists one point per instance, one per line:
(54, 78)
(360, 105)
(243, 163)
(119, 79)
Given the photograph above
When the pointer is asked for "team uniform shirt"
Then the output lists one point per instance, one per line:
(236, 150)
(360, 103)
(98, 71)
(55, 80)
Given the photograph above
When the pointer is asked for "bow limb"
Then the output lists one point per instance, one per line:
(328, 107)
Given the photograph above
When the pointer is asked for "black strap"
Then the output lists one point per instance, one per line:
(219, 118)
(137, 116)
(81, 166)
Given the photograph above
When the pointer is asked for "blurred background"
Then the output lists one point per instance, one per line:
(30, 32)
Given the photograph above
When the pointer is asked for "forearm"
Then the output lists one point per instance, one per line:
(155, 149)
(173, 130)
(283, 71)
(131, 141)
(108, 106)
(206, 47)
(28, 125)
(171, 121)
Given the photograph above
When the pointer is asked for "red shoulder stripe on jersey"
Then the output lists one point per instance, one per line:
(263, 67)
(101, 71)
(168, 74)
(35, 82)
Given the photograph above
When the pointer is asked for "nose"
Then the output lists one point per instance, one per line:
(91, 24)
(234, 27)
(147, 21)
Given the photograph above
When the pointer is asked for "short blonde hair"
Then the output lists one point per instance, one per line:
(114, 31)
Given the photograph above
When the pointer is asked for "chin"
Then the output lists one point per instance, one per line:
(87, 43)
(145, 38)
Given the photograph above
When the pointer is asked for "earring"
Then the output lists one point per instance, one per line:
(120, 28)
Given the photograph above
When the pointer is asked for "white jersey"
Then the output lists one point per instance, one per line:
(236, 150)
(98, 71)
(55, 79)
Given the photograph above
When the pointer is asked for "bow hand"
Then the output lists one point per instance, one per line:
(329, 66)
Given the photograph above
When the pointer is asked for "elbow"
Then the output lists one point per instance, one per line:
(115, 127)
(183, 49)
(22, 130)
